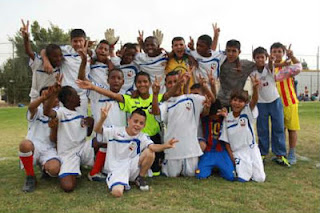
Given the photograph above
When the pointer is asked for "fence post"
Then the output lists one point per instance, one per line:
(318, 70)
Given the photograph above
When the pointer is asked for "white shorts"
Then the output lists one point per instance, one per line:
(128, 171)
(43, 153)
(70, 163)
(249, 164)
(185, 167)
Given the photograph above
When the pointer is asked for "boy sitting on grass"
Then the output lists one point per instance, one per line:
(130, 152)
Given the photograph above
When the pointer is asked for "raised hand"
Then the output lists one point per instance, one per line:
(202, 81)
(223, 112)
(84, 84)
(120, 52)
(84, 51)
(158, 35)
(110, 37)
(25, 29)
(289, 52)
(211, 78)
(156, 85)
(191, 44)
(207, 102)
(140, 37)
(216, 29)
(255, 81)
(105, 110)
(171, 143)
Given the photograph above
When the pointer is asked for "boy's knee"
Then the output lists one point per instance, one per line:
(52, 167)
(26, 146)
(68, 184)
(117, 191)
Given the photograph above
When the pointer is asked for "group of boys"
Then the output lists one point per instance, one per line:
(180, 113)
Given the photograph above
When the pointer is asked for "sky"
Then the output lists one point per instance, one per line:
(254, 23)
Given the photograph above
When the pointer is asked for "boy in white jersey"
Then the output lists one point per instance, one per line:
(70, 65)
(238, 133)
(269, 105)
(73, 128)
(153, 61)
(130, 152)
(37, 148)
(181, 114)
(41, 78)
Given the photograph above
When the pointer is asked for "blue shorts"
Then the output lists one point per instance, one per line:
(220, 160)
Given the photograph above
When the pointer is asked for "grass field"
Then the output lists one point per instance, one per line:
(295, 189)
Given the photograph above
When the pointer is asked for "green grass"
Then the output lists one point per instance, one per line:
(289, 190)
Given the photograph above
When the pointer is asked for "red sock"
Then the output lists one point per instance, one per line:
(27, 161)
(99, 163)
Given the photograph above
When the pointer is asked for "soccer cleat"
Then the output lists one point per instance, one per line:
(292, 158)
(282, 160)
(142, 183)
(99, 177)
(155, 174)
(29, 184)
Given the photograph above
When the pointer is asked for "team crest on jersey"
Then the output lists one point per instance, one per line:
(188, 106)
(132, 146)
(163, 64)
(130, 73)
(242, 121)
(213, 67)
(120, 135)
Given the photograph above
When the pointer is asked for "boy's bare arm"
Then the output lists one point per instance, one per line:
(26, 41)
(83, 54)
(255, 92)
(155, 104)
(53, 124)
(46, 63)
(104, 114)
(33, 106)
(161, 147)
(216, 34)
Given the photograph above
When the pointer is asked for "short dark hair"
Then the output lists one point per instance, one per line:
(172, 73)
(234, 43)
(64, 93)
(277, 45)
(206, 39)
(129, 46)
(43, 89)
(259, 50)
(139, 111)
(240, 94)
(141, 73)
(77, 33)
(151, 37)
(52, 47)
(178, 38)
(103, 41)
(115, 70)
(195, 86)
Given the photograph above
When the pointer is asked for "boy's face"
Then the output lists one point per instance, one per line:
(202, 48)
(232, 54)
(237, 105)
(77, 43)
(178, 47)
(143, 84)
(115, 80)
(151, 46)
(278, 53)
(136, 123)
(74, 99)
(55, 58)
(171, 81)
(128, 56)
(260, 59)
(102, 52)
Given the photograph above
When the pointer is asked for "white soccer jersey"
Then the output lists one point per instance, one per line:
(71, 134)
(154, 66)
(40, 78)
(129, 72)
(211, 64)
(182, 115)
(122, 147)
(239, 131)
(268, 90)
(70, 69)
(38, 129)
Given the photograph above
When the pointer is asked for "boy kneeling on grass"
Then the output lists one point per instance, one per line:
(130, 152)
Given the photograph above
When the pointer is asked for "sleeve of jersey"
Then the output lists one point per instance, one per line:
(115, 61)
(224, 133)
(36, 63)
(163, 112)
(145, 141)
(198, 103)
(107, 134)
(252, 114)
(125, 106)
(36, 115)
(59, 113)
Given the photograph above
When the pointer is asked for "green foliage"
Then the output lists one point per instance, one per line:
(17, 70)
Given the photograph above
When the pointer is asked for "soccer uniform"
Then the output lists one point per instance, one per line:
(71, 144)
(289, 101)
(129, 73)
(40, 78)
(39, 135)
(238, 132)
(154, 66)
(123, 154)
(215, 155)
(181, 115)
(269, 105)
(70, 69)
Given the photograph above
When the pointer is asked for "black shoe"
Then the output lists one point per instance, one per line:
(142, 183)
(29, 184)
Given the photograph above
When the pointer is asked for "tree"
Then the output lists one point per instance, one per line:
(16, 75)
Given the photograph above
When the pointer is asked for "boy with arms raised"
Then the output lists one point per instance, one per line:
(238, 133)
(288, 96)
(41, 78)
(130, 152)
(37, 147)
(181, 114)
